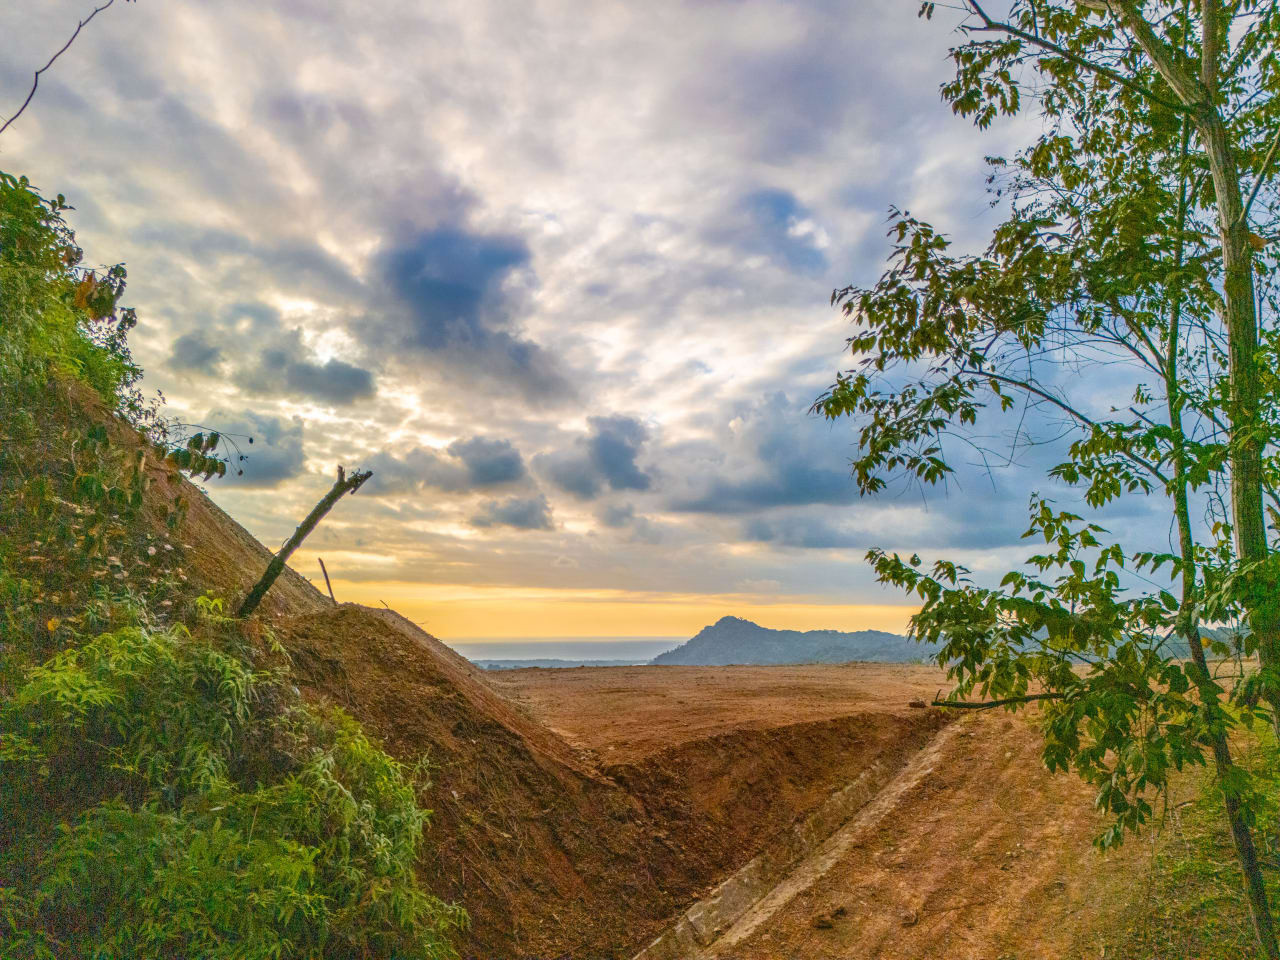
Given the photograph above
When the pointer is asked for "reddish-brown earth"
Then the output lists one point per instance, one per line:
(984, 857)
(578, 813)
(622, 714)
(554, 849)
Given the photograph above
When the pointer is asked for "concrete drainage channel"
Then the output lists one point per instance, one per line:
(795, 861)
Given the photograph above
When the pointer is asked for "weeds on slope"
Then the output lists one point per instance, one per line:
(164, 789)
(1188, 904)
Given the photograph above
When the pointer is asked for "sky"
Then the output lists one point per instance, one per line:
(559, 273)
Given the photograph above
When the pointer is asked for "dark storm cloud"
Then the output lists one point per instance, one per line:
(451, 287)
(613, 447)
(283, 369)
(808, 532)
(475, 463)
(195, 353)
(606, 457)
(523, 513)
(489, 462)
(274, 455)
(334, 382)
(777, 484)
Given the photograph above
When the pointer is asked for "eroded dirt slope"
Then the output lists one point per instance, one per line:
(553, 853)
(560, 847)
(986, 856)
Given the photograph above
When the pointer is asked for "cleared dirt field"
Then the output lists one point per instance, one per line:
(623, 714)
(969, 851)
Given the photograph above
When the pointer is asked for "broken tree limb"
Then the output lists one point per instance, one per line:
(326, 579)
(341, 488)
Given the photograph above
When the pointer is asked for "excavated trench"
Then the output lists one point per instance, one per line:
(794, 860)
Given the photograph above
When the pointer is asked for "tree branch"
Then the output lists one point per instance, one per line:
(1210, 46)
(1066, 408)
(341, 488)
(35, 80)
(991, 704)
(990, 24)
(1262, 176)
(1185, 85)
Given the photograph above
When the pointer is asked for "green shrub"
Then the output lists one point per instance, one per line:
(161, 793)
(55, 315)
(166, 798)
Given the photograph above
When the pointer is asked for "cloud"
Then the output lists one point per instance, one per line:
(284, 369)
(495, 239)
(808, 532)
(613, 447)
(466, 464)
(272, 447)
(606, 457)
(523, 513)
(455, 300)
(571, 471)
(624, 517)
(489, 462)
(783, 457)
(195, 353)
(616, 516)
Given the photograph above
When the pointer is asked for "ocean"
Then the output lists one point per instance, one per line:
(634, 649)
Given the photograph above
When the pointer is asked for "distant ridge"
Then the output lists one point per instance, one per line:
(732, 640)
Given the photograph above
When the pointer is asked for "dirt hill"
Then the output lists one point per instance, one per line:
(553, 850)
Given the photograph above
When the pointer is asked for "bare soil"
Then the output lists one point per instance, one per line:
(986, 857)
(622, 714)
(577, 813)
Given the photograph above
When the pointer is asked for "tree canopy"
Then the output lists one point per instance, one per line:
(1122, 303)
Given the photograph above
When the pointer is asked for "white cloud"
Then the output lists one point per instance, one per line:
(653, 202)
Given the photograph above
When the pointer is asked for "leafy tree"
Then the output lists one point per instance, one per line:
(1135, 244)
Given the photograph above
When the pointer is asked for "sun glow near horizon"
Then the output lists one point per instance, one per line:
(467, 612)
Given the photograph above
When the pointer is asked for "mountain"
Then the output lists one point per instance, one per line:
(734, 640)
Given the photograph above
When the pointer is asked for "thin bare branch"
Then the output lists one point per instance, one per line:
(35, 80)
(1263, 171)
(1071, 411)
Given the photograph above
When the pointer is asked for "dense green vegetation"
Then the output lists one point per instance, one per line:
(166, 791)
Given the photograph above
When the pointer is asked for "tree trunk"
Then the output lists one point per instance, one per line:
(1200, 96)
(1240, 315)
(1242, 836)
